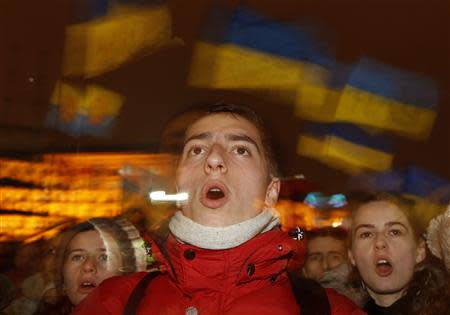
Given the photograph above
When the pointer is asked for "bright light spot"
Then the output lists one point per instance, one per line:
(161, 196)
(336, 224)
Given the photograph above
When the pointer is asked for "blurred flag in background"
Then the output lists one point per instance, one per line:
(429, 191)
(357, 107)
(114, 32)
(244, 50)
(388, 98)
(346, 146)
(83, 111)
(413, 180)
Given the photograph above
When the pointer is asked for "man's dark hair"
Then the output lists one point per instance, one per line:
(174, 135)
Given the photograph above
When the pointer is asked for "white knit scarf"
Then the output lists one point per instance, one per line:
(226, 237)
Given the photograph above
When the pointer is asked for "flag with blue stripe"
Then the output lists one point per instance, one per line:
(423, 183)
(245, 50)
(388, 98)
(116, 33)
(80, 111)
(346, 147)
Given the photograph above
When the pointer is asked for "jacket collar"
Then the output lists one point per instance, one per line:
(262, 257)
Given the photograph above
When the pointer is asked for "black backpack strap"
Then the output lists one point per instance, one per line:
(138, 293)
(310, 295)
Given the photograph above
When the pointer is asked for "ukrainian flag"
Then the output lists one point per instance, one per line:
(427, 191)
(83, 111)
(346, 147)
(430, 192)
(245, 50)
(384, 97)
(319, 94)
(414, 181)
(423, 183)
(107, 41)
(389, 181)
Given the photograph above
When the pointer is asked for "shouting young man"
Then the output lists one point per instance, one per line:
(225, 253)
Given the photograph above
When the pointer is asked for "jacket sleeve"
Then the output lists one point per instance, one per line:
(341, 305)
(108, 299)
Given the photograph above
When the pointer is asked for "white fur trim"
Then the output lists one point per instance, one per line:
(226, 237)
(438, 237)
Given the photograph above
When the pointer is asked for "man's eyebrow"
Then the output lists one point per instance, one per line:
(230, 137)
(198, 136)
(242, 137)
(335, 252)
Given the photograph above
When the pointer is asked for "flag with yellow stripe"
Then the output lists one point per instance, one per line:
(79, 110)
(346, 147)
(106, 42)
(243, 49)
(384, 97)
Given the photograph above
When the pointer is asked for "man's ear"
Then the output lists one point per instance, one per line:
(421, 251)
(272, 192)
(351, 258)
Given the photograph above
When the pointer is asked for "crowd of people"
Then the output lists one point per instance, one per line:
(224, 252)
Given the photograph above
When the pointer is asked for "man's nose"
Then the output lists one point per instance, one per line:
(324, 265)
(89, 265)
(215, 161)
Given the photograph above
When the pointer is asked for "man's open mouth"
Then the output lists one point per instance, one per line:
(214, 195)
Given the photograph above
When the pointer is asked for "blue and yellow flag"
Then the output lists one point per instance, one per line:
(319, 94)
(345, 147)
(387, 98)
(421, 182)
(388, 181)
(245, 50)
(428, 192)
(83, 111)
(116, 34)
(413, 180)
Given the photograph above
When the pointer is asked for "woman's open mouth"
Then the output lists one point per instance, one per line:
(383, 267)
(86, 287)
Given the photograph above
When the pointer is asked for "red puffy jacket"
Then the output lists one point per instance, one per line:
(248, 279)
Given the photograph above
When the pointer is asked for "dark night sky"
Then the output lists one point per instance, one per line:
(411, 35)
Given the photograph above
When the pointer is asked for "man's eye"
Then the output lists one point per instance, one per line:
(195, 151)
(313, 257)
(242, 151)
(337, 257)
(365, 234)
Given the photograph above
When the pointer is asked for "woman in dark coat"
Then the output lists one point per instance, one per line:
(390, 255)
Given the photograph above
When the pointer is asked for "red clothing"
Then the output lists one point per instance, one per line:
(248, 279)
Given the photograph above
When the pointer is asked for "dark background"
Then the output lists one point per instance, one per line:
(411, 35)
